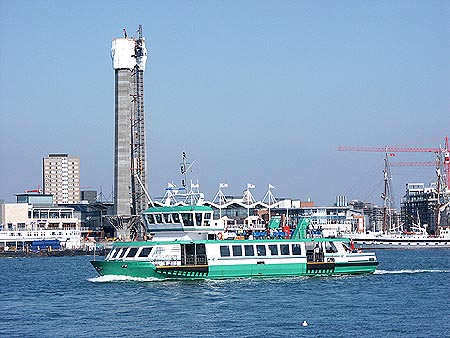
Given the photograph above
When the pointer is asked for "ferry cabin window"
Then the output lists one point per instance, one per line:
(121, 252)
(198, 219)
(224, 251)
(167, 218)
(158, 218)
(112, 253)
(145, 252)
(187, 219)
(284, 248)
(150, 219)
(296, 250)
(330, 247)
(261, 250)
(132, 252)
(176, 218)
(237, 250)
(207, 220)
(273, 249)
(249, 250)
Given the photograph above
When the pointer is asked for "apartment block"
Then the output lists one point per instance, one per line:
(61, 178)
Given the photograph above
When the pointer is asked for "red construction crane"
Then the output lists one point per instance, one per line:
(444, 151)
(412, 164)
(390, 149)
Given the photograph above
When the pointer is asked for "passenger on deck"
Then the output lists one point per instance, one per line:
(287, 231)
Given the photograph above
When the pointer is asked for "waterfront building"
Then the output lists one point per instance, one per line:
(61, 178)
(35, 217)
(93, 219)
(89, 195)
(418, 206)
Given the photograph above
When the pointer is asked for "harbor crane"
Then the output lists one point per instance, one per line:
(445, 152)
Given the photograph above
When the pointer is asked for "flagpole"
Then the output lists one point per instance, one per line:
(220, 200)
(221, 197)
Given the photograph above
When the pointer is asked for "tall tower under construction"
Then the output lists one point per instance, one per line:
(129, 56)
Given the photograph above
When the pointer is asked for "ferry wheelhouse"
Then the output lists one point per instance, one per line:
(185, 242)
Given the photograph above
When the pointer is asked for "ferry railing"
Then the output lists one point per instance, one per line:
(168, 261)
(195, 260)
(314, 257)
(271, 235)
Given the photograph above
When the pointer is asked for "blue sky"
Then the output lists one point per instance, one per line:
(254, 91)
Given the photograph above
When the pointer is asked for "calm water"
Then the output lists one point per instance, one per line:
(409, 296)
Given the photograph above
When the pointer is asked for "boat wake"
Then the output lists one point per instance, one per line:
(385, 272)
(113, 278)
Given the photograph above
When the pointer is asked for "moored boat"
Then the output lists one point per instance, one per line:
(403, 240)
(186, 243)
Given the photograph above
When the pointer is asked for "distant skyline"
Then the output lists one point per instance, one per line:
(259, 92)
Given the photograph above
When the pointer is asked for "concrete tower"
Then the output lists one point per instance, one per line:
(129, 57)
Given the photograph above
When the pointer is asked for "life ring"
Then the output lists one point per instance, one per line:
(220, 236)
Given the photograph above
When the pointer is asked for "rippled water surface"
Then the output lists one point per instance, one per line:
(408, 296)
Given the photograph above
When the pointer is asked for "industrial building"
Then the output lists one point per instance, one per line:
(418, 206)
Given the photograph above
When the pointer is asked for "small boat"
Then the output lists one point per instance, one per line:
(187, 243)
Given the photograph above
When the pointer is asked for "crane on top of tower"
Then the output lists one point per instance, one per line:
(440, 151)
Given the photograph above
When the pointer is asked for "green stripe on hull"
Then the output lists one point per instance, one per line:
(129, 269)
(148, 270)
(355, 268)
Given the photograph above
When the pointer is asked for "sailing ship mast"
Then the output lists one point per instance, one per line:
(388, 200)
(442, 190)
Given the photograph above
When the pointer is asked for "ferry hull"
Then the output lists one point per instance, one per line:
(148, 270)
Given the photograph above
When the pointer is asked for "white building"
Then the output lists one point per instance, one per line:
(34, 217)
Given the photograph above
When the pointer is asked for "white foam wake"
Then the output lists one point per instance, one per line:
(384, 272)
(114, 278)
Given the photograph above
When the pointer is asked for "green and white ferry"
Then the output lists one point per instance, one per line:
(187, 243)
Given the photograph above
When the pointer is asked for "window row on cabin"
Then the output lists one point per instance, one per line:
(187, 218)
(250, 250)
(119, 253)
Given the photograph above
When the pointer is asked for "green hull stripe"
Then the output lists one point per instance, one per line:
(148, 270)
